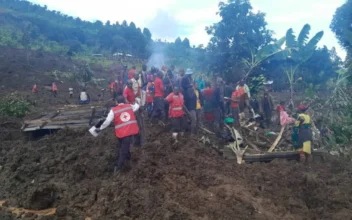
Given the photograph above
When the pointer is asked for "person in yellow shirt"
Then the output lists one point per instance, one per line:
(302, 133)
(199, 104)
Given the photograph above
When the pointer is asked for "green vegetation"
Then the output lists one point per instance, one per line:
(34, 26)
(14, 105)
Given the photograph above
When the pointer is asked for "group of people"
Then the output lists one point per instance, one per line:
(167, 96)
(83, 97)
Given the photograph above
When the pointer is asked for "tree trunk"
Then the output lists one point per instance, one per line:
(291, 103)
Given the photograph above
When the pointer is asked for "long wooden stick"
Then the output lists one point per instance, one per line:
(278, 138)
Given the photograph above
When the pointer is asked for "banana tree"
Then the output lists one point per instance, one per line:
(298, 51)
(260, 55)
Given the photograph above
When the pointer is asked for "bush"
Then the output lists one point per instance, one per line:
(14, 105)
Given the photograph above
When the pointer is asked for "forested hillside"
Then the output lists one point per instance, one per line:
(30, 25)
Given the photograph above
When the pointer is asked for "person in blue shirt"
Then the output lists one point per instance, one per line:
(201, 83)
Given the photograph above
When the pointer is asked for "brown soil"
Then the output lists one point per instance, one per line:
(73, 172)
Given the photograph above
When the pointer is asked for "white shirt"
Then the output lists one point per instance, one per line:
(83, 96)
(111, 116)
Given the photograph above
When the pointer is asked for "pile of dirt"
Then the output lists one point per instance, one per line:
(73, 172)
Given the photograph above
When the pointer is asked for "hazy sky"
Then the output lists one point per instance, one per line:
(168, 19)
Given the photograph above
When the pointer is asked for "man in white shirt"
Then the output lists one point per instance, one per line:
(126, 127)
(84, 97)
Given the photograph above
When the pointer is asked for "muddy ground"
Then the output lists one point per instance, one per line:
(73, 172)
(18, 76)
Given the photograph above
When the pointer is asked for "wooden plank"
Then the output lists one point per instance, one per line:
(81, 121)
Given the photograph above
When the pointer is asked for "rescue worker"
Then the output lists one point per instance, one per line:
(176, 112)
(54, 89)
(128, 93)
(84, 97)
(302, 133)
(126, 127)
(150, 96)
(266, 107)
(35, 88)
(159, 102)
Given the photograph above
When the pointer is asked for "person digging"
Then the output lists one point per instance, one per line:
(126, 127)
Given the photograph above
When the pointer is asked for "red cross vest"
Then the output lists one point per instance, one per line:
(125, 121)
(176, 105)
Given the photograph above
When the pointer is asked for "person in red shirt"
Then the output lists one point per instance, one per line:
(208, 103)
(112, 88)
(35, 88)
(126, 127)
(128, 93)
(132, 72)
(235, 97)
(54, 89)
(159, 103)
(150, 96)
(176, 111)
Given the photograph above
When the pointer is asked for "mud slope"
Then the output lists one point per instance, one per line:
(73, 172)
